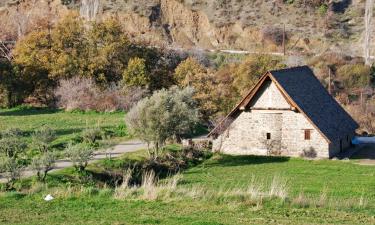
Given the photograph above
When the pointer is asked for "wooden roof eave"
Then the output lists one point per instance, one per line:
(241, 103)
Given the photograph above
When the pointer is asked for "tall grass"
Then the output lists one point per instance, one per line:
(255, 194)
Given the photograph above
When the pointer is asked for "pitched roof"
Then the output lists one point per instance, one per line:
(304, 92)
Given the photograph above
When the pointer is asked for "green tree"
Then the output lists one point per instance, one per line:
(79, 155)
(107, 49)
(191, 73)
(11, 143)
(31, 65)
(68, 48)
(43, 164)
(251, 69)
(167, 114)
(136, 73)
(43, 138)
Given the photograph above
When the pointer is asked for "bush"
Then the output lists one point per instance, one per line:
(43, 137)
(11, 143)
(167, 114)
(79, 155)
(166, 164)
(309, 153)
(91, 135)
(84, 94)
(354, 75)
(11, 170)
(43, 164)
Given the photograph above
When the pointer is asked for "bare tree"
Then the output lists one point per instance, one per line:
(89, 9)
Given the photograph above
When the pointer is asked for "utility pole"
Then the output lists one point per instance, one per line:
(284, 50)
(329, 81)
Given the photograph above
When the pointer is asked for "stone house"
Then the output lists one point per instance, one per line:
(288, 112)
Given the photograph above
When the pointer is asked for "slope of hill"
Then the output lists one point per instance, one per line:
(312, 26)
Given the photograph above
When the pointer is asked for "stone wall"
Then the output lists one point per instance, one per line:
(248, 135)
(269, 112)
(269, 96)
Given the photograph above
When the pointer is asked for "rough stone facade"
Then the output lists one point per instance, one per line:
(271, 116)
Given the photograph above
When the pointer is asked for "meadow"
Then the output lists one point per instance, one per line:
(221, 190)
(67, 125)
(214, 189)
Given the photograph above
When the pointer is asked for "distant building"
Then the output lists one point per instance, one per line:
(288, 112)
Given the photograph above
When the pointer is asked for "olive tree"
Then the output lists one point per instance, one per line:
(79, 155)
(43, 164)
(11, 146)
(11, 143)
(42, 138)
(167, 114)
(11, 170)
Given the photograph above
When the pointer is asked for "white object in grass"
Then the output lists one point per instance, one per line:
(48, 198)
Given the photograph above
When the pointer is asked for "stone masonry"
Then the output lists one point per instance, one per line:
(271, 115)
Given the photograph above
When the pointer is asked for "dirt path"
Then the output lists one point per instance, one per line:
(115, 151)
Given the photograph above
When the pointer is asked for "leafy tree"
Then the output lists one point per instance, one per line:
(91, 135)
(43, 138)
(11, 87)
(11, 143)
(251, 69)
(191, 73)
(187, 70)
(136, 73)
(11, 170)
(43, 164)
(108, 49)
(68, 48)
(79, 155)
(31, 65)
(165, 115)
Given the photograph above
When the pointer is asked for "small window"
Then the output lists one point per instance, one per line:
(307, 134)
(268, 136)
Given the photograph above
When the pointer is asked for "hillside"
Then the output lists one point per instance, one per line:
(254, 25)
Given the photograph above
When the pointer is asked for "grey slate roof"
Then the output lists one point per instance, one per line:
(309, 95)
(314, 100)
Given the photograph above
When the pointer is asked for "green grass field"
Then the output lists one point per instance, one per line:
(217, 191)
(66, 124)
(346, 185)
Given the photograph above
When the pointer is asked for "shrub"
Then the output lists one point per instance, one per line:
(79, 155)
(43, 137)
(91, 135)
(165, 115)
(84, 94)
(323, 8)
(11, 143)
(43, 164)
(309, 153)
(11, 170)
(136, 73)
(354, 75)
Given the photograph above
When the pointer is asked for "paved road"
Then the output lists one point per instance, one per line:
(115, 151)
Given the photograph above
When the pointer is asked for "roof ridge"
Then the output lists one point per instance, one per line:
(290, 69)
